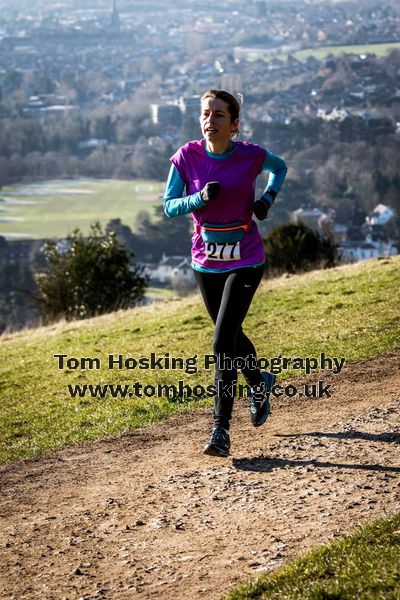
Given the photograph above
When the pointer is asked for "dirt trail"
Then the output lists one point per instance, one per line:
(147, 515)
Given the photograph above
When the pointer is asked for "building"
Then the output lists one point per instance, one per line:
(309, 216)
(166, 115)
(115, 20)
(351, 252)
(380, 215)
(87, 146)
(189, 105)
(172, 271)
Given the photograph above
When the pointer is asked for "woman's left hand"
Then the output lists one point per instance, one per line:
(261, 208)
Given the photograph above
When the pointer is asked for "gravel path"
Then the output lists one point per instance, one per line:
(147, 515)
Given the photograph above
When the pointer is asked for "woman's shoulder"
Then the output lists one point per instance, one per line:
(250, 149)
(194, 146)
(186, 154)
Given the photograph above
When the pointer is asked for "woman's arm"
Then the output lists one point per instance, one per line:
(174, 204)
(278, 169)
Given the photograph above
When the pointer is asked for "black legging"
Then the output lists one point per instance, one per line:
(227, 297)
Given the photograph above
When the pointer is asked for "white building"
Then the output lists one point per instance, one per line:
(309, 216)
(380, 215)
(350, 252)
(173, 270)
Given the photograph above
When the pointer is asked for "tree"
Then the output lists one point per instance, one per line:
(88, 276)
(124, 233)
(174, 234)
(12, 81)
(295, 248)
(381, 184)
(150, 158)
(42, 84)
(103, 127)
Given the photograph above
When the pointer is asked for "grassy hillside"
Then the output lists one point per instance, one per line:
(350, 312)
(54, 208)
(363, 565)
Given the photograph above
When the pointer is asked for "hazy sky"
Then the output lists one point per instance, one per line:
(44, 5)
(30, 6)
(8, 9)
(51, 4)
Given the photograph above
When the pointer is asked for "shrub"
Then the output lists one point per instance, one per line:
(87, 276)
(295, 248)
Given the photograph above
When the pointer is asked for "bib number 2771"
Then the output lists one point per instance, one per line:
(223, 251)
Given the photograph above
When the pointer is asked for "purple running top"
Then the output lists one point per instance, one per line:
(236, 174)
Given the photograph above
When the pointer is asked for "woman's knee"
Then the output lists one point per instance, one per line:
(224, 344)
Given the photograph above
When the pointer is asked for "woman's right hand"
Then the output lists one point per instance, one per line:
(210, 191)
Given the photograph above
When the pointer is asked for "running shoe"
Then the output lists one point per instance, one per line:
(260, 407)
(219, 443)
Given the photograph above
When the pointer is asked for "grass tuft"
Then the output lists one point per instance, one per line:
(363, 565)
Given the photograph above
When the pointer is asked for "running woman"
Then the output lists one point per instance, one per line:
(219, 176)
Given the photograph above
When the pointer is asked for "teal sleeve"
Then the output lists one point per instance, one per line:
(278, 169)
(174, 203)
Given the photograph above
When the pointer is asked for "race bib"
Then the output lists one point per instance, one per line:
(222, 251)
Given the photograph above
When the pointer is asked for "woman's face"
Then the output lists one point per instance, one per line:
(215, 120)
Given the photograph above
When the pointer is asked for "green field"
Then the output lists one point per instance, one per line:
(54, 208)
(319, 53)
(350, 311)
(323, 51)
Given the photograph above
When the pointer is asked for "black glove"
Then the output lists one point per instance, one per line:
(262, 206)
(210, 191)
